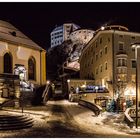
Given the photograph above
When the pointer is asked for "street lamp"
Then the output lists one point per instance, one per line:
(102, 28)
(96, 89)
(136, 46)
(48, 82)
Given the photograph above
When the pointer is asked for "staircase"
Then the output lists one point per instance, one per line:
(14, 122)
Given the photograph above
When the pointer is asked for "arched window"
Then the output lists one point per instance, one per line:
(7, 63)
(31, 69)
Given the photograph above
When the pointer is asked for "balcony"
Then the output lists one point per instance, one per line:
(121, 53)
(121, 70)
(121, 66)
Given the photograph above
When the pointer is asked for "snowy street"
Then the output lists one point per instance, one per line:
(63, 119)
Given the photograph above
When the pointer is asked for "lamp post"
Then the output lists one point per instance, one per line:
(68, 82)
(96, 88)
(136, 46)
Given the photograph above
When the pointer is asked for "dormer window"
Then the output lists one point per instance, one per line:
(13, 33)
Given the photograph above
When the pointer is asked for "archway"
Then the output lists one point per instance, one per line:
(31, 68)
(7, 63)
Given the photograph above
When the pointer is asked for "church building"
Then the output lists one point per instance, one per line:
(18, 52)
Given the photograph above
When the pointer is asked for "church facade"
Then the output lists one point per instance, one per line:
(17, 51)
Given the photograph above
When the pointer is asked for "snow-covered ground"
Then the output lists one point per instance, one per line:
(76, 117)
(106, 123)
(88, 121)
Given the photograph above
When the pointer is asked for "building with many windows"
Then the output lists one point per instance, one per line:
(20, 55)
(109, 59)
(61, 33)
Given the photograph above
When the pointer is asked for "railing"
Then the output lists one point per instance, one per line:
(130, 115)
(95, 108)
(130, 122)
(8, 103)
(121, 52)
(45, 94)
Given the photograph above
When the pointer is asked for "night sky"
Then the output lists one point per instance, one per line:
(37, 20)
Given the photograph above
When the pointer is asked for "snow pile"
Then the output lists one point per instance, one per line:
(91, 123)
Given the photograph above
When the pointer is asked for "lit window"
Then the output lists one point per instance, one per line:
(122, 62)
(133, 78)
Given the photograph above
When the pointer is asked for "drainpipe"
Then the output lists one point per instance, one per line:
(113, 64)
(40, 68)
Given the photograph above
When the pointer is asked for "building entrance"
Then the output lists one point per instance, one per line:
(21, 71)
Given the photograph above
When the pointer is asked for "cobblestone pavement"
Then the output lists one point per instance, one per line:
(57, 120)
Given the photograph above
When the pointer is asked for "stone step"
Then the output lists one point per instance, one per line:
(15, 127)
(15, 122)
(12, 118)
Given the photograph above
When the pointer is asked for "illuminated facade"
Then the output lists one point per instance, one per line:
(18, 52)
(110, 60)
(83, 36)
(61, 33)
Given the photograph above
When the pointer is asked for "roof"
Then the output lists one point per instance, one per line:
(61, 26)
(110, 29)
(11, 34)
(73, 24)
(57, 28)
(83, 29)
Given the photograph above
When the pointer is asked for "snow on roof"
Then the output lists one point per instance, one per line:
(11, 34)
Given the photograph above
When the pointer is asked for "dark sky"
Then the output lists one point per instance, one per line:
(37, 20)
